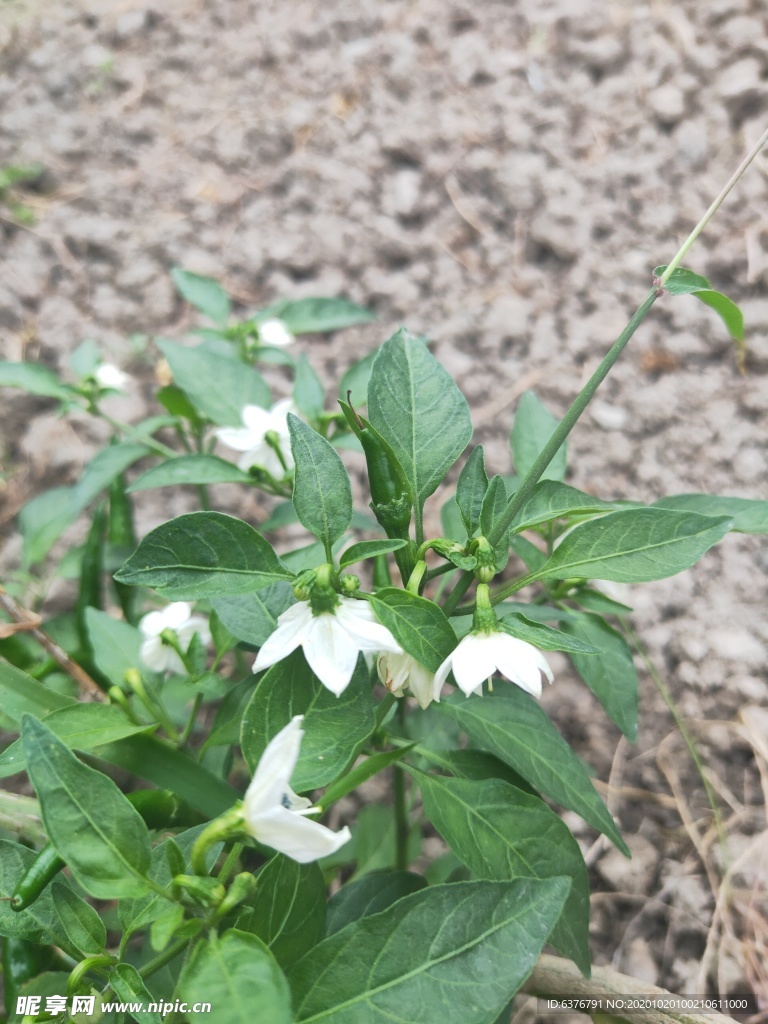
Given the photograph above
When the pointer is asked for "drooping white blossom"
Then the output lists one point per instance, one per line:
(275, 332)
(331, 640)
(274, 815)
(398, 671)
(482, 653)
(178, 617)
(251, 439)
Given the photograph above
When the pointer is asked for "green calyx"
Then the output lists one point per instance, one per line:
(321, 587)
(485, 569)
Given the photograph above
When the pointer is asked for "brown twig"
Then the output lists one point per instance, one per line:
(89, 688)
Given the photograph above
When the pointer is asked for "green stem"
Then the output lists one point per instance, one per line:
(184, 738)
(568, 422)
(716, 204)
(153, 966)
(230, 863)
(401, 803)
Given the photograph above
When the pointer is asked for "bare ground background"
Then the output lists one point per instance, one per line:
(501, 177)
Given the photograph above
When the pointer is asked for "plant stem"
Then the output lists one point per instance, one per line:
(568, 422)
(716, 204)
(401, 804)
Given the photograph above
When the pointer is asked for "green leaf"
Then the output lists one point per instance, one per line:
(682, 281)
(190, 469)
(533, 426)
(452, 954)
(370, 895)
(219, 386)
(287, 911)
(416, 406)
(21, 694)
(103, 468)
(418, 625)
(502, 833)
(203, 554)
(749, 515)
(236, 974)
(80, 727)
(89, 821)
(253, 617)
(363, 771)
(115, 644)
(43, 520)
(317, 315)
(554, 500)
(128, 986)
(203, 293)
(594, 601)
(510, 724)
(177, 403)
(334, 727)
(138, 913)
(611, 677)
(225, 730)
(531, 557)
(308, 391)
(470, 490)
(494, 503)
(475, 765)
(727, 310)
(369, 549)
(45, 517)
(83, 926)
(544, 637)
(354, 383)
(322, 494)
(169, 768)
(635, 545)
(34, 379)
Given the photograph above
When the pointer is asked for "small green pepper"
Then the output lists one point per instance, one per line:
(46, 865)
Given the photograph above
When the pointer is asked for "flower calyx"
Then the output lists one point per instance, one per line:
(320, 587)
(485, 567)
(452, 551)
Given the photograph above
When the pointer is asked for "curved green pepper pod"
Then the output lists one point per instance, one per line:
(391, 494)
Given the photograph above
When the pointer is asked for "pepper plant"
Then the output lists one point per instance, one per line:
(243, 689)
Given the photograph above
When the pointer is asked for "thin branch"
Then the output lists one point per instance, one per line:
(89, 688)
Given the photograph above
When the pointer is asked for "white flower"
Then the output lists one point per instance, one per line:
(272, 811)
(251, 439)
(331, 640)
(481, 654)
(160, 657)
(275, 332)
(108, 376)
(397, 671)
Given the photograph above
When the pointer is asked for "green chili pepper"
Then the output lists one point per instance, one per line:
(91, 575)
(159, 808)
(46, 865)
(122, 536)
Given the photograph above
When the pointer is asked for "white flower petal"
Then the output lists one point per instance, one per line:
(273, 773)
(238, 438)
(176, 614)
(292, 626)
(297, 837)
(275, 332)
(331, 653)
(257, 420)
(422, 684)
(393, 670)
(152, 624)
(154, 654)
(521, 663)
(108, 376)
(367, 635)
(474, 661)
